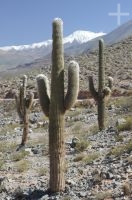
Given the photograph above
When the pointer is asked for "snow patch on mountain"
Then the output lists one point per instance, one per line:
(77, 36)
(26, 47)
(82, 36)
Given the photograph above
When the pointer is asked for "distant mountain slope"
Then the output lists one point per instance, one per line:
(75, 44)
(122, 32)
(11, 56)
(117, 62)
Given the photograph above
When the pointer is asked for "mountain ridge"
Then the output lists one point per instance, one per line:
(80, 36)
(12, 56)
(72, 47)
(122, 32)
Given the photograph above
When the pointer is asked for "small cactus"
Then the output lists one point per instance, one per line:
(56, 104)
(104, 92)
(23, 104)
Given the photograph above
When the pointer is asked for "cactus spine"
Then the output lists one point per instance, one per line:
(56, 105)
(103, 92)
(23, 104)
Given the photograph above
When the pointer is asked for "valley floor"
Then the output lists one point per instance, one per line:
(98, 167)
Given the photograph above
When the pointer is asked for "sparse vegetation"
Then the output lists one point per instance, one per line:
(119, 150)
(29, 168)
(126, 187)
(103, 195)
(79, 157)
(22, 166)
(129, 159)
(1, 163)
(81, 145)
(77, 128)
(91, 157)
(93, 129)
(7, 146)
(119, 138)
(126, 126)
(42, 171)
(19, 155)
(87, 159)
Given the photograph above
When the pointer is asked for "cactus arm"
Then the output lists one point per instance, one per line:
(19, 111)
(43, 92)
(110, 82)
(29, 101)
(73, 85)
(92, 88)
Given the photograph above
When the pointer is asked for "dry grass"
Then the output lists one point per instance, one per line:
(81, 145)
(79, 157)
(17, 156)
(103, 196)
(126, 187)
(119, 150)
(42, 171)
(126, 126)
(22, 166)
(87, 159)
(1, 163)
(7, 146)
(91, 157)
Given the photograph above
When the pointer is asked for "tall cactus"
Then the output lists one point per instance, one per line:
(103, 92)
(56, 104)
(23, 104)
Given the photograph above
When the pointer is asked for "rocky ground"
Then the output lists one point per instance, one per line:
(98, 167)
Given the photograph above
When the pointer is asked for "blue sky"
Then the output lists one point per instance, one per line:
(30, 21)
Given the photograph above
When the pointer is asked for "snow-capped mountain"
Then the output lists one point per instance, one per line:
(78, 36)
(12, 56)
(78, 42)
(118, 34)
(81, 36)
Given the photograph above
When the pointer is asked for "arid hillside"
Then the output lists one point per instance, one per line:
(117, 62)
(98, 166)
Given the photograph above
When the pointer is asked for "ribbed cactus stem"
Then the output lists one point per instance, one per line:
(101, 66)
(56, 117)
(92, 88)
(24, 85)
(43, 92)
(73, 84)
(57, 50)
(103, 92)
(24, 103)
(57, 104)
(29, 101)
(110, 82)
